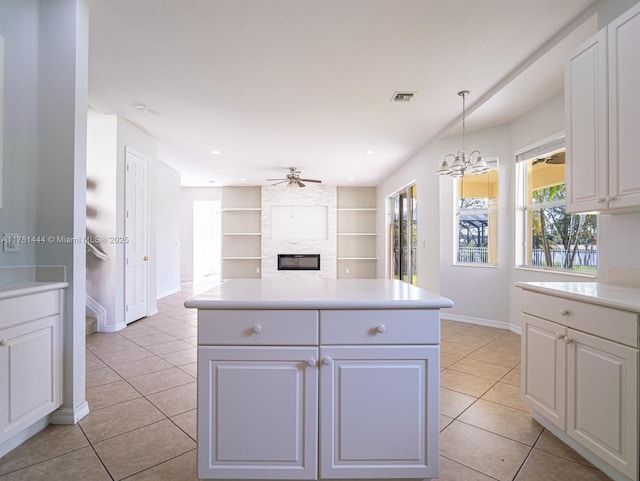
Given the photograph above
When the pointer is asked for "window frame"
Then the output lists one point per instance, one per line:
(495, 210)
(523, 208)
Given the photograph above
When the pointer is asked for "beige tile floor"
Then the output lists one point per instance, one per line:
(141, 388)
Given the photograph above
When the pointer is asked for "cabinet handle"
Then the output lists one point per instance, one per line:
(560, 337)
(602, 199)
(380, 328)
(311, 362)
(564, 312)
(567, 340)
(327, 360)
(3, 342)
(257, 329)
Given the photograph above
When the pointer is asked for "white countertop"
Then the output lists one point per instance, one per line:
(609, 295)
(317, 294)
(24, 288)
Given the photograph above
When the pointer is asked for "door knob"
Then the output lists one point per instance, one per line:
(145, 258)
(257, 329)
(3, 342)
(311, 362)
(380, 328)
(326, 360)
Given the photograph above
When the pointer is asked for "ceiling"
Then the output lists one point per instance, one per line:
(271, 84)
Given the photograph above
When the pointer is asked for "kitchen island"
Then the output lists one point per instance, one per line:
(318, 379)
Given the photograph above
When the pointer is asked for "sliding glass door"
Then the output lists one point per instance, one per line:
(403, 235)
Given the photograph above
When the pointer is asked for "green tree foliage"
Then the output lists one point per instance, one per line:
(553, 229)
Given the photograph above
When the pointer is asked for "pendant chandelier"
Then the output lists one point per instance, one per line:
(463, 164)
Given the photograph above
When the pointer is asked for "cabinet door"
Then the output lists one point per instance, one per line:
(379, 411)
(257, 412)
(586, 126)
(602, 399)
(543, 368)
(624, 110)
(29, 374)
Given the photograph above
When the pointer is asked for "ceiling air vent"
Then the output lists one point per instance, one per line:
(402, 96)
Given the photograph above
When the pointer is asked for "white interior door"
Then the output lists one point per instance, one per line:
(136, 230)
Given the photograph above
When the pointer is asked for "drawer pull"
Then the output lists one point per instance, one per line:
(564, 312)
(380, 328)
(327, 361)
(257, 329)
(311, 362)
(3, 342)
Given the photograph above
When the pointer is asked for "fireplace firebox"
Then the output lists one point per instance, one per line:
(298, 262)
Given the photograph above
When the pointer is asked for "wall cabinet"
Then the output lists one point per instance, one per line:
(580, 373)
(298, 394)
(602, 110)
(30, 359)
(357, 236)
(241, 227)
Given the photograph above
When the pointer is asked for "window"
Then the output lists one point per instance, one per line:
(477, 214)
(404, 235)
(553, 239)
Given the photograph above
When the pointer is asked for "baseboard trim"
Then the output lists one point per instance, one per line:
(481, 322)
(116, 328)
(169, 292)
(69, 415)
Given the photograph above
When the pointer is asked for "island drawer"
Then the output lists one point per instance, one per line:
(28, 307)
(381, 326)
(602, 321)
(257, 327)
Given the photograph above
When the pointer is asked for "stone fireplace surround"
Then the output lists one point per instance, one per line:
(311, 195)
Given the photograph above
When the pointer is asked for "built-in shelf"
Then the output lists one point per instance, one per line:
(241, 227)
(241, 233)
(356, 234)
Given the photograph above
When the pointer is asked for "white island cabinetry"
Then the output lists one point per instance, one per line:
(580, 370)
(343, 384)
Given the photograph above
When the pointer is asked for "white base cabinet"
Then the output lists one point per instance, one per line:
(314, 394)
(30, 359)
(580, 373)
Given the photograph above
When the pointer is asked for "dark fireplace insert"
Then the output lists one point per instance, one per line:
(298, 262)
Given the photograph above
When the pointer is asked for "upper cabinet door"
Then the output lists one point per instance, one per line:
(586, 125)
(624, 110)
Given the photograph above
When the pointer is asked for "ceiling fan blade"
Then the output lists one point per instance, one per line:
(281, 182)
(311, 180)
(271, 180)
(300, 184)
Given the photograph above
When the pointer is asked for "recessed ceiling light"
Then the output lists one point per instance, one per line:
(212, 181)
(215, 152)
(142, 107)
(370, 152)
(351, 179)
(243, 179)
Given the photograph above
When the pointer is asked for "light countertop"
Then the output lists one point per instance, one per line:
(24, 288)
(609, 295)
(317, 294)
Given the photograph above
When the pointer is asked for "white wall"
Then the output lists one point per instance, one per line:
(188, 195)
(416, 170)
(109, 136)
(19, 27)
(166, 204)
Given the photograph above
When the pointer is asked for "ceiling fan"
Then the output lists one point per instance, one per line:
(555, 159)
(293, 179)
